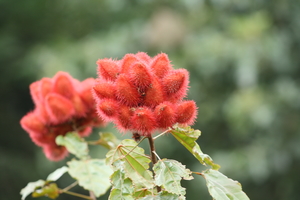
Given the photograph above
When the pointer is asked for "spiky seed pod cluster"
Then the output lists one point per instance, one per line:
(141, 94)
(62, 104)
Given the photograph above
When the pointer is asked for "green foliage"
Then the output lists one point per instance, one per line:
(31, 187)
(54, 176)
(221, 187)
(108, 140)
(74, 143)
(168, 174)
(50, 190)
(92, 174)
(187, 137)
(132, 159)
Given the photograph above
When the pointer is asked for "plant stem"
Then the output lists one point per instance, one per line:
(153, 156)
(77, 195)
(70, 186)
(92, 195)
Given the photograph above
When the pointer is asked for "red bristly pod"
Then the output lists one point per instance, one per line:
(127, 93)
(55, 153)
(161, 65)
(176, 84)
(59, 108)
(35, 92)
(123, 121)
(154, 95)
(108, 109)
(127, 61)
(140, 76)
(32, 124)
(186, 112)
(108, 69)
(104, 89)
(46, 85)
(63, 85)
(143, 121)
(165, 115)
(143, 56)
(85, 92)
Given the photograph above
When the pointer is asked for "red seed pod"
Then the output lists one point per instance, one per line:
(46, 86)
(140, 75)
(85, 92)
(55, 153)
(32, 124)
(127, 93)
(127, 61)
(186, 112)
(63, 85)
(104, 89)
(84, 132)
(123, 121)
(59, 108)
(143, 56)
(35, 92)
(107, 109)
(143, 121)
(108, 69)
(154, 94)
(165, 115)
(79, 106)
(176, 84)
(161, 65)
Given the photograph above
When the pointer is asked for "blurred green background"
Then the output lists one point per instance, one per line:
(244, 63)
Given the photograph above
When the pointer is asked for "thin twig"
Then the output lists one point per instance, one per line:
(77, 195)
(161, 134)
(153, 156)
(70, 186)
(92, 195)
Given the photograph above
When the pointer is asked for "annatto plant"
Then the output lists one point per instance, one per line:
(140, 95)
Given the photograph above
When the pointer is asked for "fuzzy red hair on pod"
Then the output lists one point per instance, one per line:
(127, 62)
(143, 56)
(176, 84)
(140, 75)
(108, 69)
(127, 93)
(32, 124)
(35, 92)
(79, 106)
(59, 108)
(154, 94)
(165, 115)
(107, 109)
(55, 153)
(45, 87)
(123, 121)
(161, 65)
(85, 91)
(104, 89)
(186, 112)
(63, 85)
(85, 131)
(143, 121)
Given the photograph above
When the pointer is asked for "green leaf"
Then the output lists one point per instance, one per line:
(74, 143)
(163, 196)
(30, 187)
(91, 174)
(221, 187)
(168, 174)
(142, 193)
(117, 194)
(132, 159)
(50, 191)
(108, 140)
(57, 174)
(187, 137)
(121, 183)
